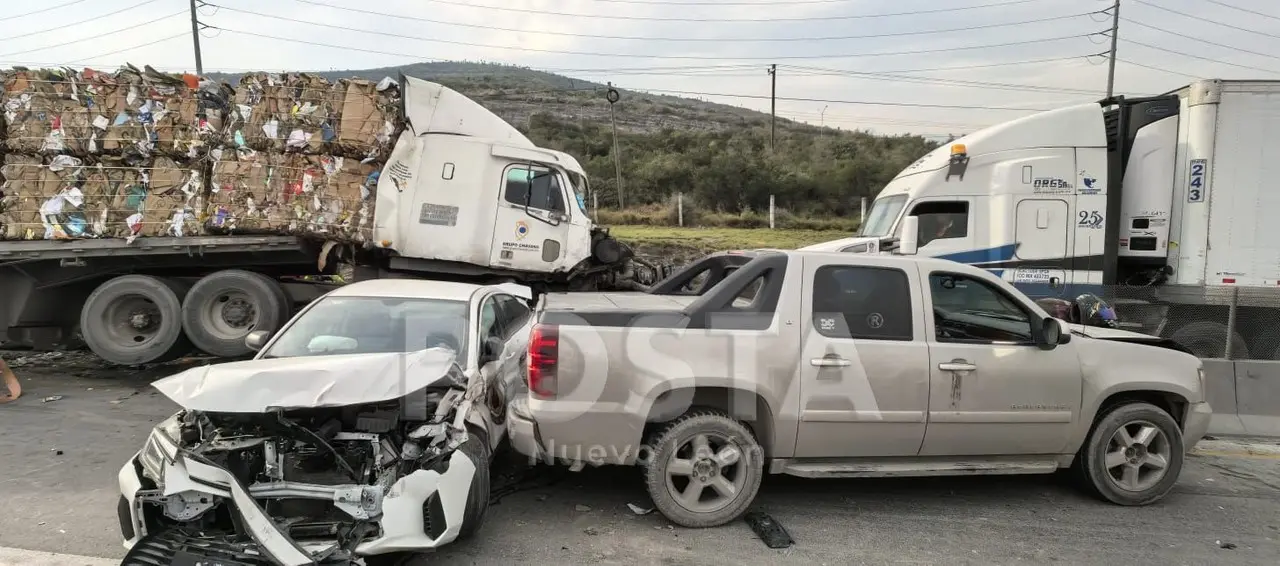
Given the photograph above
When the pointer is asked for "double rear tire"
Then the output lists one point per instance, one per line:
(141, 319)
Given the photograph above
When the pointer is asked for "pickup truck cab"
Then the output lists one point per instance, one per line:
(828, 364)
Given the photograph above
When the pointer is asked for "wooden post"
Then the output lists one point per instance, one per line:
(770, 212)
(680, 208)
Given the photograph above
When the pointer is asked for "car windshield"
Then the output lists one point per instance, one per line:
(882, 216)
(364, 325)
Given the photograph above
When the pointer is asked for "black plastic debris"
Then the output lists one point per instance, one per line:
(768, 529)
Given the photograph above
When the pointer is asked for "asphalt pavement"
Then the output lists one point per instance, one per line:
(76, 423)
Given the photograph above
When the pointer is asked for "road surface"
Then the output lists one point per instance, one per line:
(60, 458)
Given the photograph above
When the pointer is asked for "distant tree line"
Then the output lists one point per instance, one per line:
(812, 172)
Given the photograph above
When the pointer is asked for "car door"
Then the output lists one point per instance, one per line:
(864, 373)
(992, 390)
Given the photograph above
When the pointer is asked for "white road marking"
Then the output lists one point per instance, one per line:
(20, 557)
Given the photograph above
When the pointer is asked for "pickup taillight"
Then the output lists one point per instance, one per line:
(544, 352)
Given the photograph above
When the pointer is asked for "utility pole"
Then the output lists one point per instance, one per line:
(195, 38)
(773, 103)
(612, 96)
(1111, 66)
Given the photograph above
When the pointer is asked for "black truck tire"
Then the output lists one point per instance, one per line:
(1208, 339)
(670, 444)
(135, 319)
(224, 307)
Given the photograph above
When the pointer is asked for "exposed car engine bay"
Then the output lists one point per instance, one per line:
(315, 485)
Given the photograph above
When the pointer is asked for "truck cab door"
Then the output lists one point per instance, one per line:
(533, 221)
(864, 373)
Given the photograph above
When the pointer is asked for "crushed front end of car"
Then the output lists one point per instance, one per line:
(304, 461)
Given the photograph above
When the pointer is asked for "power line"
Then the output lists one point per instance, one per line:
(1155, 68)
(1218, 61)
(719, 20)
(629, 55)
(828, 101)
(63, 26)
(1205, 41)
(1224, 4)
(89, 60)
(42, 10)
(1204, 20)
(93, 37)
(944, 82)
(740, 66)
(675, 39)
(748, 4)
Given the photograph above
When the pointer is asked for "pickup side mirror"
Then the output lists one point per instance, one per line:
(1052, 334)
(491, 350)
(257, 339)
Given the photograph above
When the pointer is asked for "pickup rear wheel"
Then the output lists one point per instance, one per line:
(704, 469)
(1134, 454)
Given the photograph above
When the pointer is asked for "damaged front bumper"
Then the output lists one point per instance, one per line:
(168, 496)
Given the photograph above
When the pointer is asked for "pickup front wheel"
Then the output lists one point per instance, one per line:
(1134, 454)
(704, 469)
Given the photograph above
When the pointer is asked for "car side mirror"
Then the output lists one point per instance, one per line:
(257, 339)
(1052, 334)
(491, 349)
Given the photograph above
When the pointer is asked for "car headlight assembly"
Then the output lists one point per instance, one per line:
(161, 448)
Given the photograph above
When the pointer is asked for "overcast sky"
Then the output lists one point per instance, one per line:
(1015, 55)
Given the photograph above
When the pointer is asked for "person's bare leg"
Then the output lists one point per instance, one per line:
(10, 383)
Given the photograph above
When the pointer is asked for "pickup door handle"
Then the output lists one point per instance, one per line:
(957, 366)
(829, 362)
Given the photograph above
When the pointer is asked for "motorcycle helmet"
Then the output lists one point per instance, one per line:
(1093, 311)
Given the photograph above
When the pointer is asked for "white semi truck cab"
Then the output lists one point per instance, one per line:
(466, 194)
(1160, 205)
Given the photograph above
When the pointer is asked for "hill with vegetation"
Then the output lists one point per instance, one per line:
(716, 155)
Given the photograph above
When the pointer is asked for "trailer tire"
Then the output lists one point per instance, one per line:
(224, 307)
(135, 319)
(1207, 339)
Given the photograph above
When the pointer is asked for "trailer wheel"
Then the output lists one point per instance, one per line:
(135, 319)
(1207, 339)
(224, 307)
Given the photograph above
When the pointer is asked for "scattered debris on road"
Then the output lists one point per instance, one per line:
(638, 510)
(581, 508)
(1225, 545)
(51, 399)
(768, 529)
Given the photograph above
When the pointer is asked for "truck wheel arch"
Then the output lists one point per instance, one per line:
(747, 406)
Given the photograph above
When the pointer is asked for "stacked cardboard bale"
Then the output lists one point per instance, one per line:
(91, 154)
(301, 155)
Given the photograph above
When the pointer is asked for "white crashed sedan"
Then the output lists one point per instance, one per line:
(364, 427)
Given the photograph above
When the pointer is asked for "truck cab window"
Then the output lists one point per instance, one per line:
(966, 309)
(864, 303)
(538, 186)
(942, 220)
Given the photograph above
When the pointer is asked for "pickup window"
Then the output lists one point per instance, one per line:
(969, 310)
(864, 303)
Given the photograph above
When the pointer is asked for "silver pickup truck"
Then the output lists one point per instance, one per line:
(847, 365)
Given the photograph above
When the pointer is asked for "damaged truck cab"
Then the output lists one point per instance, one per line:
(364, 427)
(465, 195)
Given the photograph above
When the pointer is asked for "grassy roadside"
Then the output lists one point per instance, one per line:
(683, 244)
